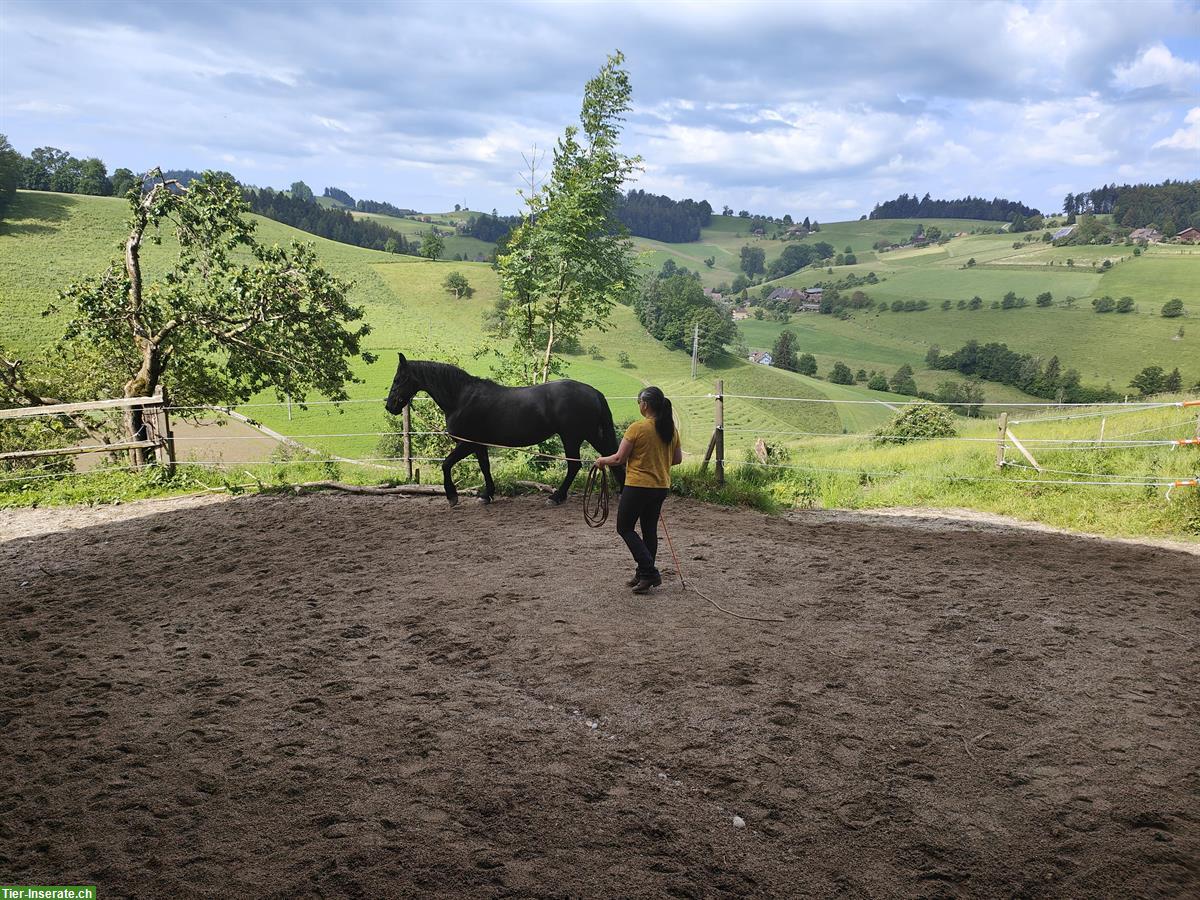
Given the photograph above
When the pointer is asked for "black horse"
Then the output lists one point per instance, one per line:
(480, 412)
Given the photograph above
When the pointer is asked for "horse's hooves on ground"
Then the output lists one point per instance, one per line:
(554, 501)
(485, 500)
(453, 501)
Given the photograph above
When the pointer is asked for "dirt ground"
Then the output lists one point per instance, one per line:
(379, 696)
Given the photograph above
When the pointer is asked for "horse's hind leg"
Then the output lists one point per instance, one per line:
(485, 466)
(571, 447)
(461, 451)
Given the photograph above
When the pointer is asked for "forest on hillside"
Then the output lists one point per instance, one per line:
(909, 207)
(1170, 206)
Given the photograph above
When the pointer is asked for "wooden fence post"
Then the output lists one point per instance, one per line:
(1000, 440)
(719, 432)
(165, 452)
(408, 463)
(1103, 423)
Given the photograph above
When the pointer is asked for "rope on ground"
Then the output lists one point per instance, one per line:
(683, 583)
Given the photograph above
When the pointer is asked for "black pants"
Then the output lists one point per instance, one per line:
(644, 504)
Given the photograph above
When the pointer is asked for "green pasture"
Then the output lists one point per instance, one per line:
(467, 247)
(52, 239)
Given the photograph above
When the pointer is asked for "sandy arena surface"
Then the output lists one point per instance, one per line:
(336, 695)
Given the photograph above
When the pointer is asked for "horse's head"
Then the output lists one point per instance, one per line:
(404, 388)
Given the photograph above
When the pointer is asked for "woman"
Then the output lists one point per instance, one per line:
(648, 450)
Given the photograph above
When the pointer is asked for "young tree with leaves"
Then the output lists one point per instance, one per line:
(568, 261)
(214, 326)
(433, 245)
(783, 354)
(456, 283)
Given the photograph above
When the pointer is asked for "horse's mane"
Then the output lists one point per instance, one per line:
(443, 378)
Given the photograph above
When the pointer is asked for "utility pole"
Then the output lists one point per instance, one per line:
(695, 347)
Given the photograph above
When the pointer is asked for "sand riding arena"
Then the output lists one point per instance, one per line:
(379, 696)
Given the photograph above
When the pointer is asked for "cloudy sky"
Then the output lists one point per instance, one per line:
(817, 109)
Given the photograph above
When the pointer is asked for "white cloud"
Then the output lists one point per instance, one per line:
(1157, 66)
(1187, 137)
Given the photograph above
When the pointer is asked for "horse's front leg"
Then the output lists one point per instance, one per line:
(485, 466)
(460, 451)
(571, 451)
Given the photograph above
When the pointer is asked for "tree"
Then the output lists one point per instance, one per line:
(302, 192)
(227, 317)
(710, 261)
(902, 382)
(1104, 304)
(878, 382)
(841, 374)
(932, 355)
(1150, 380)
(806, 364)
(10, 173)
(1173, 383)
(1172, 309)
(917, 422)
(433, 245)
(569, 262)
(783, 354)
(623, 359)
(753, 260)
(971, 263)
(1045, 299)
(456, 283)
(1125, 305)
(122, 181)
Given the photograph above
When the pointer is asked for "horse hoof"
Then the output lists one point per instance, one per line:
(485, 500)
(554, 501)
(453, 501)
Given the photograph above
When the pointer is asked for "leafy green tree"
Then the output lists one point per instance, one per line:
(623, 359)
(971, 263)
(878, 382)
(1172, 309)
(1125, 305)
(753, 260)
(919, 421)
(433, 245)
(860, 375)
(122, 181)
(302, 192)
(902, 382)
(946, 305)
(1150, 380)
(1104, 304)
(806, 364)
(456, 283)
(1045, 299)
(1173, 383)
(10, 174)
(225, 319)
(710, 261)
(841, 374)
(569, 262)
(783, 354)
(975, 303)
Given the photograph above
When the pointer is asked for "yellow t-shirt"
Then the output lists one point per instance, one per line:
(649, 463)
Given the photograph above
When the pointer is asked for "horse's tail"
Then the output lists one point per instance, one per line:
(607, 437)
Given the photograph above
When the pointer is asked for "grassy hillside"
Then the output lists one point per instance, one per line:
(53, 239)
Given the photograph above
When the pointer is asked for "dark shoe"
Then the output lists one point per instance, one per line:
(646, 582)
(633, 582)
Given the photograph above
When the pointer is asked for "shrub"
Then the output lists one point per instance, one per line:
(1172, 309)
(920, 421)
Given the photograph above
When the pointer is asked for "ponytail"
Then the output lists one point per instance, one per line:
(664, 420)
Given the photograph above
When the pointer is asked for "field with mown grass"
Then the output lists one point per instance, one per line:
(52, 239)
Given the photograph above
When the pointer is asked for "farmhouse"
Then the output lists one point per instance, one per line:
(762, 357)
(1149, 235)
(1188, 236)
(786, 294)
(741, 313)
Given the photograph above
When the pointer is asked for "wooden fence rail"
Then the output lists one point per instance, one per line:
(156, 427)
